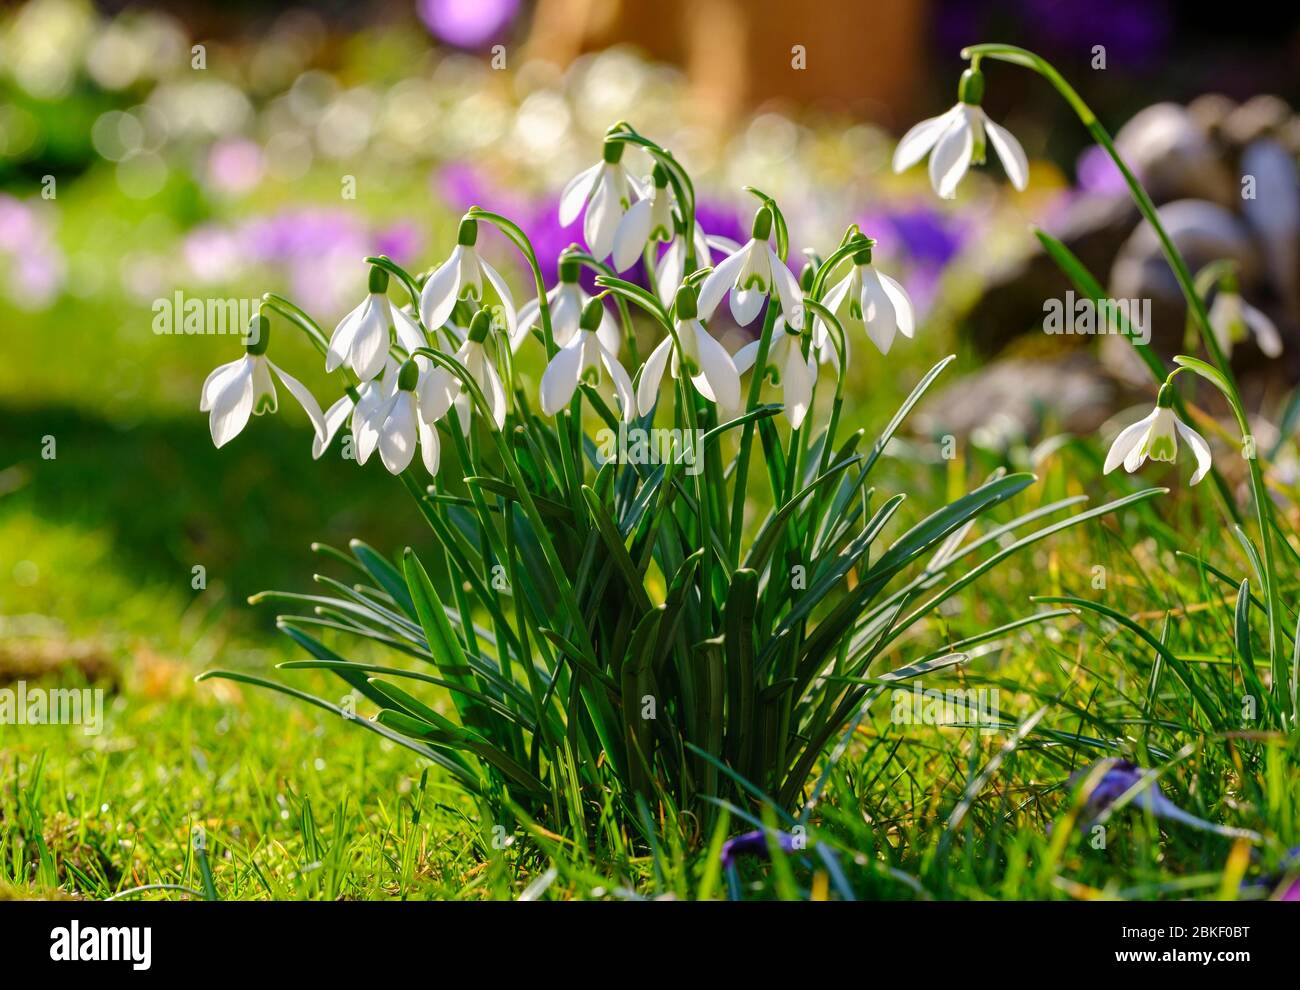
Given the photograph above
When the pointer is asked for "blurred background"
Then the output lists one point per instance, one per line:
(210, 148)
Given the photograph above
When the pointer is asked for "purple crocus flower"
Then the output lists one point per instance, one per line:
(753, 844)
(467, 24)
(1122, 775)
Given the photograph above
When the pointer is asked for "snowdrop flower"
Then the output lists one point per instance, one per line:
(648, 220)
(401, 427)
(243, 388)
(710, 367)
(335, 417)
(369, 411)
(787, 367)
(671, 268)
(869, 299)
(361, 339)
(566, 301)
(751, 274)
(461, 277)
(1231, 317)
(441, 388)
(957, 138)
(581, 360)
(1156, 436)
(605, 190)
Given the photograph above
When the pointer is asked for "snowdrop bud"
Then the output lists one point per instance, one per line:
(592, 314)
(971, 88)
(467, 233)
(685, 303)
(408, 376)
(807, 274)
(480, 325)
(378, 280)
(259, 334)
(762, 228)
(613, 152)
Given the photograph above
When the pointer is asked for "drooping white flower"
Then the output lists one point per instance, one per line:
(369, 411)
(402, 428)
(958, 138)
(1156, 436)
(750, 275)
(566, 302)
(244, 387)
(870, 299)
(707, 363)
(786, 367)
(361, 339)
(581, 359)
(606, 192)
(440, 389)
(1231, 318)
(672, 265)
(461, 277)
(647, 221)
(335, 416)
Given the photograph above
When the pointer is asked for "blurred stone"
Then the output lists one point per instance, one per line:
(1258, 116)
(1016, 398)
(1093, 227)
(1174, 156)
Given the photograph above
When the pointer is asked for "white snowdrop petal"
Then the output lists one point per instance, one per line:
(335, 417)
(560, 379)
(1010, 152)
(652, 373)
(438, 297)
(718, 369)
(1124, 443)
(232, 405)
(951, 158)
(920, 139)
(305, 399)
(720, 280)
(576, 192)
(632, 233)
(1199, 447)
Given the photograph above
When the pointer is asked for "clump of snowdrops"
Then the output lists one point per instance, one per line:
(649, 588)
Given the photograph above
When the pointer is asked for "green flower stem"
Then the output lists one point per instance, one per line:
(558, 571)
(747, 434)
(1195, 305)
(570, 457)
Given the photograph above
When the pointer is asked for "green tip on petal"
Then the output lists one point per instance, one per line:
(467, 234)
